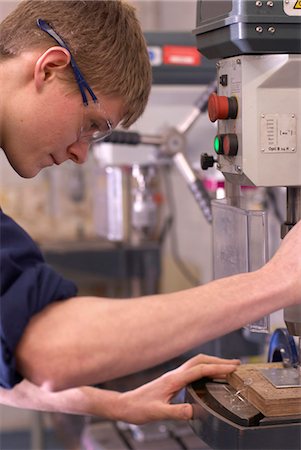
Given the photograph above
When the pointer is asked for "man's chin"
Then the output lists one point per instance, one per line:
(28, 172)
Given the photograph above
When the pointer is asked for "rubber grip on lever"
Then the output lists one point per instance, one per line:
(123, 137)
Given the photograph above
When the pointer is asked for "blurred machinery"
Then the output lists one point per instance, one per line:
(131, 212)
(257, 107)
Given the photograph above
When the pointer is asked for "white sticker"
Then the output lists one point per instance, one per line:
(278, 133)
(292, 7)
(155, 55)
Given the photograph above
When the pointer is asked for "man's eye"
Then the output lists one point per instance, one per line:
(93, 126)
(100, 125)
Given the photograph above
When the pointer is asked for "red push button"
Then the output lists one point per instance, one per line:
(222, 107)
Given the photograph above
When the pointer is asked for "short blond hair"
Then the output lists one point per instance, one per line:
(104, 37)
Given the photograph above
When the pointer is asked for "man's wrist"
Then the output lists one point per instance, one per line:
(107, 405)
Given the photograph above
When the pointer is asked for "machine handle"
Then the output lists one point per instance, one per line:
(200, 106)
(133, 138)
(202, 198)
(202, 102)
(124, 137)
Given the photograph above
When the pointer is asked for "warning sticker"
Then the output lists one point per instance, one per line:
(292, 7)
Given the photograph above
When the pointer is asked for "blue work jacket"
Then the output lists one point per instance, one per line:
(27, 285)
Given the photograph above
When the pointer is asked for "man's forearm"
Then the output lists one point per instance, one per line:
(90, 340)
(83, 400)
(149, 402)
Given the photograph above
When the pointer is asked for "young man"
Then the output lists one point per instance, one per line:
(54, 344)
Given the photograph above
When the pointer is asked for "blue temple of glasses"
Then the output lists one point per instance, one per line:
(82, 84)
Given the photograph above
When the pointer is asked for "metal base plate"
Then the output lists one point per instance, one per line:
(283, 378)
(231, 404)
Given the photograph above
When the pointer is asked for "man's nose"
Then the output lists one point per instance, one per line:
(78, 152)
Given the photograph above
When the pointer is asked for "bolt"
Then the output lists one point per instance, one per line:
(218, 166)
(237, 169)
(293, 116)
(287, 1)
(262, 116)
(259, 29)
(271, 30)
(258, 3)
(238, 61)
(293, 149)
(262, 150)
(270, 4)
(217, 65)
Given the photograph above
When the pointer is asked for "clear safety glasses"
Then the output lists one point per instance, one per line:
(95, 126)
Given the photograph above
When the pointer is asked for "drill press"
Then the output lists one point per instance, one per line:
(257, 108)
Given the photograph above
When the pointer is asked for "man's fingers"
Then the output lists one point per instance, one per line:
(182, 411)
(200, 371)
(207, 359)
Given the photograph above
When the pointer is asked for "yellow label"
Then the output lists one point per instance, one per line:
(297, 4)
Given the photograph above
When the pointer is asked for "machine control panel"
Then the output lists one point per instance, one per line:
(257, 109)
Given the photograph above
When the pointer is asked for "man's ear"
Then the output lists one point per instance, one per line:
(52, 62)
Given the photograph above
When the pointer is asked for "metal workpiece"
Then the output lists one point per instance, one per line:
(283, 377)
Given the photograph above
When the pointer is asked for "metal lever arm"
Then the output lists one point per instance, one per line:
(172, 144)
(200, 106)
(133, 138)
(195, 185)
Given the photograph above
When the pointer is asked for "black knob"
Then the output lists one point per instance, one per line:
(207, 161)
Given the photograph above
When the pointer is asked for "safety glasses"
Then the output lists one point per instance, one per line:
(94, 127)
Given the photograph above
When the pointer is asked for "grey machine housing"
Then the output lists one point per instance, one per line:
(236, 27)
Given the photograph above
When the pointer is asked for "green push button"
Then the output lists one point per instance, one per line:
(218, 144)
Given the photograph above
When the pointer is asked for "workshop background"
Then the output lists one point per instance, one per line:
(64, 209)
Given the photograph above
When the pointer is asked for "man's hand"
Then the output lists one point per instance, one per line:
(147, 403)
(151, 401)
